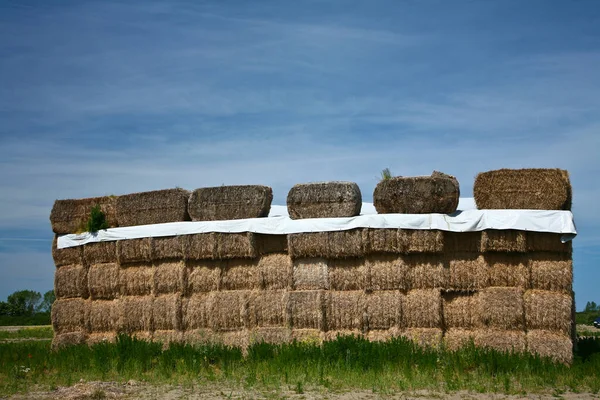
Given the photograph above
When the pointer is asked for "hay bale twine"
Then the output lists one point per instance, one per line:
(437, 193)
(528, 189)
(324, 200)
(71, 216)
(155, 207)
(230, 202)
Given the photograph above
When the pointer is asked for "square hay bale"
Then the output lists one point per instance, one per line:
(271, 335)
(348, 274)
(168, 247)
(462, 242)
(501, 340)
(201, 246)
(166, 312)
(383, 335)
(549, 344)
(103, 281)
(71, 216)
(548, 242)
(229, 310)
(237, 339)
(276, 271)
(66, 256)
(142, 335)
(383, 309)
(195, 311)
(345, 310)
(136, 280)
(548, 311)
(155, 207)
(100, 252)
(381, 241)
(424, 337)
(230, 202)
(422, 308)
(334, 335)
(421, 241)
(199, 336)
(63, 340)
(509, 241)
(551, 271)
(457, 338)
(344, 244)
(458, 309)
(170, 277)
(508, 269)
(467, 271)
(524, 189)
(306, 309)
(267, 244)
(500, 308)
(309, 245)
(68, 315)
(388, 272)
(134, 250)
(71, 281)
(203, 276)
(136, 314)
(104, 316)
(240, 274)
(268, 308)
(236, 245)
(102, 337)
(167, 336)
(426, 271)
(310, 273)
(308, 336)
(324, 200)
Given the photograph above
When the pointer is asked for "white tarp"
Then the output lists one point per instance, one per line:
(279, 223)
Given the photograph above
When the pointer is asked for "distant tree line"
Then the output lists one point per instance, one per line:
(27, 307)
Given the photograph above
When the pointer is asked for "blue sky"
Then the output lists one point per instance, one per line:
(113, 97)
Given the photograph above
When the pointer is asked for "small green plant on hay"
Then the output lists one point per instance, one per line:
(97, 220)
(386, 174)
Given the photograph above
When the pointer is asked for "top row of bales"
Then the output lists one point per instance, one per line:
(541, 189)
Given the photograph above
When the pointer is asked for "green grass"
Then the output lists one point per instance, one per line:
(22, 320)
(44, 332)
(344, 364)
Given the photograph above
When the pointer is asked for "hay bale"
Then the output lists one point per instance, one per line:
(230, 202)
(426, 271)
(345, 310)
(324, 200)
(524, 189)
(306, 309)
(383, 335)
(549, 344)
(508, 269)
(268, 244)
(551, 271)
(155, 207)
(348, 274)
(500, 340)
(344, 244)
(229, 310)
(100, 252)
(334, 335)
(170, 277)
(103, 281)
(388, 272)
(462, 242)
(437, 193)
(383, 309)
(195, 311)
(458, 309)
(102, 337)
(548, 311)
(501, 308)
(201, 246)
(467, 271)
(68, 315)
(104, 316)
(203, 276)
(308, 336)
(237, 339)
(422, 308)
(504, 241)
(170, 247)
(310, 273)
(71, 216)
(134, 250)
(166, 312)
(381, 241)
(270, 335)
(136, 280)
(199, 336)
(313, 244)
(424, 337)
(267, 308)
(457, 338)
(71, 281)
(66, 256)
(136, 314)
(548, 242)
(421, 241)
(235, 245)
(68, 339)
(240, 274)
(275, 271)
(167, 336)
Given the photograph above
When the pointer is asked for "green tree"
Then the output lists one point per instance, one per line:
(23, 302)
(46, 303)
(591, 306)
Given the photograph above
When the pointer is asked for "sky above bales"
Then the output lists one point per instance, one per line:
(115, 97)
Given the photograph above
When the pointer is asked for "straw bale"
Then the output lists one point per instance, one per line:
(203, 276)
(267, 244)
(236, 245)
(239, 339)
(383, 309)
(500, 340)
(424, 337)
(504, 241)
(240, 274)
(229, 310)
(324, 200)
(309, 336)
(100, 252)
(230, 202)
(458, 309)
(155, 207)
(201, 246)
(421, 241)
(71, 281)
(306, 309)
(551, 271)
(334, 335)
(104, 316)
(348, 274)
(136, 313)
(167, 336)
(195, 311)
(68, 339)
(549, 344)
(267, 308)
(141, 335)
(102, 337)
(271, 335)
(383, 335)
(66, 256)
(457, 338)
(71, 216)
(168, 247)
(134, 250)
(467, 271)
(136, 280)
(508, 269)
(426, 271)
(381, 241)
(550, 242)
(548, 310)
(500, 307)
(103, 280)
(345, 310)
(422, 308)
(68, 315)
(199, 336)
(170, 277)
(462, 242)
(388, 272)
(310, 273)
(315, 244)
(437, 193)
(276, 271)
(526, 189)
(343, 244)
(166, 312)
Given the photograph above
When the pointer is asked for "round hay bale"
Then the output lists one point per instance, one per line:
(324, 200)
(230, 202)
